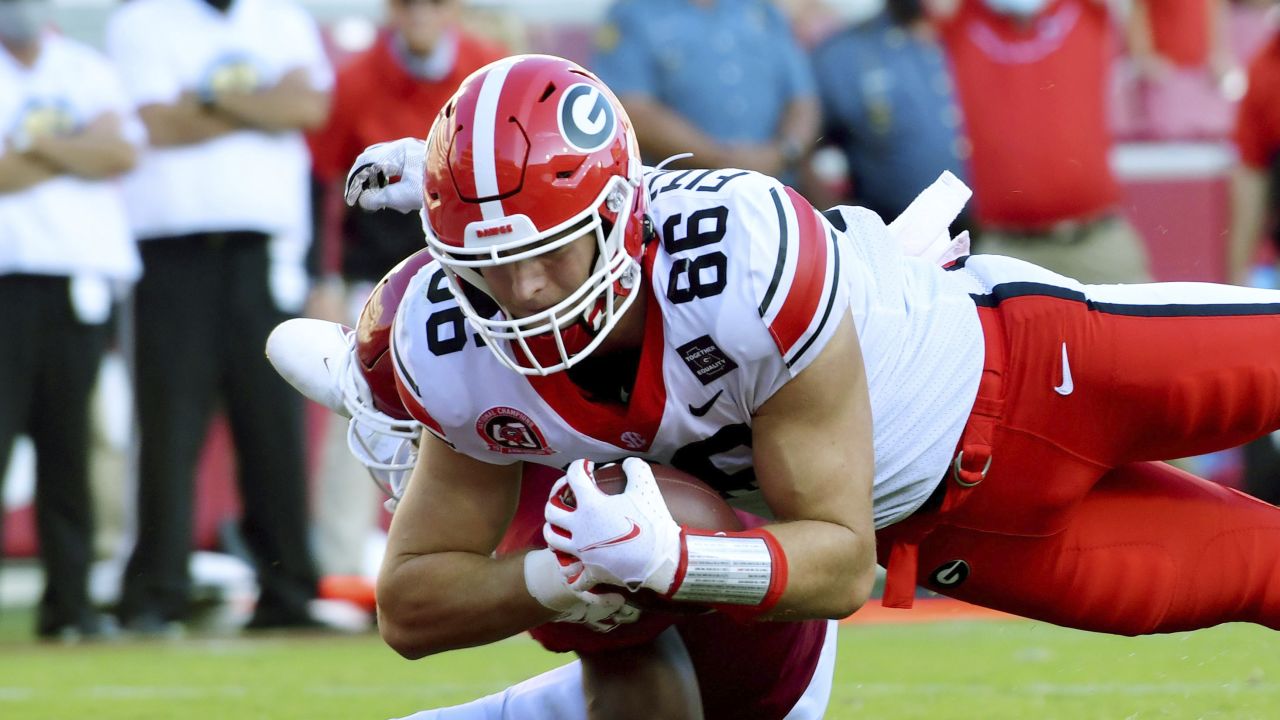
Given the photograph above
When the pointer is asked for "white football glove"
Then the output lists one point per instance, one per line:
(601, 611)
(629, 539)
(388, 175)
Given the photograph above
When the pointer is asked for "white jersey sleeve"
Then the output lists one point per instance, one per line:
(748, 258)
(416, 309)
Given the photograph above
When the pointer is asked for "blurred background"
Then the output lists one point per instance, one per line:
(1111, 141)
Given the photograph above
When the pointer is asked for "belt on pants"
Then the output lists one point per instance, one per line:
(969, 467)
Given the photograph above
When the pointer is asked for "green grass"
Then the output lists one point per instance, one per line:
(1016, 670)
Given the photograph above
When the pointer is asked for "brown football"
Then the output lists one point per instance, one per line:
(691, 501)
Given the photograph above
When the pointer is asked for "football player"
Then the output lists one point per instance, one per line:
(699, 665)
(990, 420)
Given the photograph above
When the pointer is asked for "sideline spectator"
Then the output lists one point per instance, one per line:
(1032, 78)
(219, 206)
(65, 255)
(888, 103)
(725, 80)
(381, 94)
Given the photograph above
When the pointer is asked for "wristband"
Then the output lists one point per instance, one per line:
(746, 570)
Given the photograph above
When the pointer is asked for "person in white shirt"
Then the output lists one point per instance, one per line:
(66, 131)
(220, 205)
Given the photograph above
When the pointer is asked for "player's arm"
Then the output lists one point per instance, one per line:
(439, 588)
(98, 151)
(814, 461)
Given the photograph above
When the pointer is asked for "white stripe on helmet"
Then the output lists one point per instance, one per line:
(482, 135)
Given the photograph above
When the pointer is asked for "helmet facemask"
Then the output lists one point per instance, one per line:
(384, 445)
(559, 337)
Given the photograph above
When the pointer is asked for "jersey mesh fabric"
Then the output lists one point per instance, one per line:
(922, 346)
(722, 356)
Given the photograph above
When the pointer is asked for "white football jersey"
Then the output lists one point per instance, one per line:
(748, 284)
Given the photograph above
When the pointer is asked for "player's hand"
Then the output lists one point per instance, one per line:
(601, 611)
(629, 539)
(388, 175)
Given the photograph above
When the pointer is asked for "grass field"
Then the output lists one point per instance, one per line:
(1014, 670)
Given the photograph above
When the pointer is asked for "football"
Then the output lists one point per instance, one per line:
(691, 501)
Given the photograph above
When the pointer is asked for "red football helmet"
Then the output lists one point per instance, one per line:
(532, 153)
(382, 433)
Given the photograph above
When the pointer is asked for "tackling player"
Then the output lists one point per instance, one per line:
(993, 421)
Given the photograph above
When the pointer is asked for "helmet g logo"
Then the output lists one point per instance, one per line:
(586, 117)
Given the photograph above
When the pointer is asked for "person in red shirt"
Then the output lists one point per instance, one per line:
(382, 93)
(1031, 76)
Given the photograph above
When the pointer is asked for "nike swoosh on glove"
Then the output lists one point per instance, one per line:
(628, 539)
(388, 175)
(602, 612)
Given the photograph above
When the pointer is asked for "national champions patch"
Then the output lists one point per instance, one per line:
(510, 432)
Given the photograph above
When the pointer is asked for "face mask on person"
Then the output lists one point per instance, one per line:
(905, 12)
(22, 20)
(1019, 8)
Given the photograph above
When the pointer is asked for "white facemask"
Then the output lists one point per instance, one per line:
(22, 20)
(1020, 8)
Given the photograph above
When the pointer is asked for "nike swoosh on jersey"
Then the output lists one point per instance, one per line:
(703, 409)
(628, 536)
(1067, 387)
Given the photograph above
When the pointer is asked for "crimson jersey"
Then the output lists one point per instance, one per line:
(747, 284)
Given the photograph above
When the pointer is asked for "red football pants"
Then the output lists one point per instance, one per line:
(1069, 525)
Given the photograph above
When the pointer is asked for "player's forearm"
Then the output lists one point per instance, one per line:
(830, 570)
(289, 105)
(432, 603)
(1248, 209)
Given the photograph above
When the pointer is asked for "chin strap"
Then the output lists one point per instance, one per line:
(741, 573)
